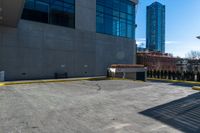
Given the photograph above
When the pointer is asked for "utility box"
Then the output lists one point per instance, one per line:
(2, 75)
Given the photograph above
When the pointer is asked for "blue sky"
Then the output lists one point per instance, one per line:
(182, 25)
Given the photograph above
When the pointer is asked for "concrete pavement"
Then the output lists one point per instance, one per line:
(106, 106)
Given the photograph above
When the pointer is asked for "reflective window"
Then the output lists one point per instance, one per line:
(156, 27)
(116, 17)
(57, 12)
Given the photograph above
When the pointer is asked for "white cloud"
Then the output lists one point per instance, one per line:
(143, 40)
(172, 42)
(140, 41)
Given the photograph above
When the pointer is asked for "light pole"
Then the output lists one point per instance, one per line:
(196, 65)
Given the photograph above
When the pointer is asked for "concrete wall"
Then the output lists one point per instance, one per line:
(113, 50)
(35, 50)
(85, 15)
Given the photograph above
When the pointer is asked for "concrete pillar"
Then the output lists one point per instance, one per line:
(195, 77)
(11, 11)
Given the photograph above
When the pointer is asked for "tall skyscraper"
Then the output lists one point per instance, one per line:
(155, 30)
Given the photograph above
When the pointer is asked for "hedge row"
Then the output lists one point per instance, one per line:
(173, 75)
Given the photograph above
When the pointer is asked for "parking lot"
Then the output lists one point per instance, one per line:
(104, 106)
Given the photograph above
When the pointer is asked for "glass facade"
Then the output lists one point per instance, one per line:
(57, 12)
(156, 27)
(116, 17)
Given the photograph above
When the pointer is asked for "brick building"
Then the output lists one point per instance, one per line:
(157, 61)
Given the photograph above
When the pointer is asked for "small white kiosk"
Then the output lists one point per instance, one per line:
(128, 71)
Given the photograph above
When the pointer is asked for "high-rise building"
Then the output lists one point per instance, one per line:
(155, 28)
(43, 38)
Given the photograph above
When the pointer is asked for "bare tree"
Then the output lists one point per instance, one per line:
(193, 55)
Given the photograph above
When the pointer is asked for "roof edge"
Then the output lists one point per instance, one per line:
(135, 1)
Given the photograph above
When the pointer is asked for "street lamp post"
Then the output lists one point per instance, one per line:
(196, 65)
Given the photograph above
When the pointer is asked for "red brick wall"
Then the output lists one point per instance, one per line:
(156, 62)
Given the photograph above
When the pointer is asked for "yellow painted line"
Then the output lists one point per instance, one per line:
(196, 88)
(61, 80)
(2, 84)
(175, 81)
(48, 81)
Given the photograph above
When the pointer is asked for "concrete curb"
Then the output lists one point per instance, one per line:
(50, 80)
(197, 88)
(175, 81)
(62, 80)
(179, 81)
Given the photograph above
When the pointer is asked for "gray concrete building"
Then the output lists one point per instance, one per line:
(39, 38)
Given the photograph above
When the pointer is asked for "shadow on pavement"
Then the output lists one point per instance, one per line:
(182, 84)
(182, 114)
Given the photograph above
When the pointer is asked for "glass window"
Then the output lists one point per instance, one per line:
(130, 31)
(116, 26)
(42, 6)
(116, 17)
(123, 28)
(29, 4)
(57, 12)
(116, 13)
